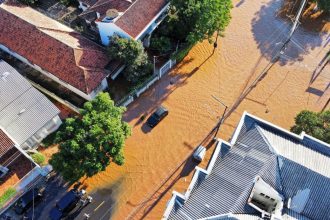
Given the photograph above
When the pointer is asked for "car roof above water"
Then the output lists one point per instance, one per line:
(160, 110)
(67, 200)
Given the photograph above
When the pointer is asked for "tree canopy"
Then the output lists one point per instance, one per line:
(30, 2)
(323, 4)
(199, 19)
(87, 144)
(132, 54)
(314, 124)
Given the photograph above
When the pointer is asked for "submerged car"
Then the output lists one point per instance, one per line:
(157, 116)
(66, 204)
(29, 199)
(199, 153)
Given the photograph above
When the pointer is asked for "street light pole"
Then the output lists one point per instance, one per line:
(154, 64)
(222, 117)
(215, 44)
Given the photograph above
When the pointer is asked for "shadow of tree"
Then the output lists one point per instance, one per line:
(156, 94)
(271, 30)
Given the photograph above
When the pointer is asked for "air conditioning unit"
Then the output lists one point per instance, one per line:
(3, 171)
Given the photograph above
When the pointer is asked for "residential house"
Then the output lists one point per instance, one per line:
(134, 19)
(26, 117)
(53, 49)
(265, 172)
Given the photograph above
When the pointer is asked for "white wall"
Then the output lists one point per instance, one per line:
(90, 96)
(153, 24)
(43, 132)
(82, 6)
(107, 29)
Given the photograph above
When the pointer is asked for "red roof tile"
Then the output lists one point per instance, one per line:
(54, 47)
(102, 6)
(139, 15)
(5, 143)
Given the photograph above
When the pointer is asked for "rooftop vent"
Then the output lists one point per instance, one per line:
(22, 111)
(111, 14)
(4, 76)
(266, 199)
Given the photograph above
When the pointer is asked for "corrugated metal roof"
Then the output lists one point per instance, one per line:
(297, 169)
(23, 109)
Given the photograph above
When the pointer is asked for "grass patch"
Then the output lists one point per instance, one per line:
(39, 158)
(182, 53)
(8, 194)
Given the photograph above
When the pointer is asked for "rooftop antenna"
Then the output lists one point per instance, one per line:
(4, 75)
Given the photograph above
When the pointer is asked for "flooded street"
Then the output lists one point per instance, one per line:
(254, 35)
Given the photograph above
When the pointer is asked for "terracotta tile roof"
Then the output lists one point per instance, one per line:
(139, 15)
(102, 6)
(5, 143)
(54, 47)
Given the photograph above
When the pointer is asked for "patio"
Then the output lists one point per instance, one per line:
(18, 165)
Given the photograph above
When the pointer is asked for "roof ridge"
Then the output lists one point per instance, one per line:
(91, 9)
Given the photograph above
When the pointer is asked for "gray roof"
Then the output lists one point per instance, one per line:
(23, 109)
(296, 166)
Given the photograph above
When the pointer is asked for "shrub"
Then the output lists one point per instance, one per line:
(8, 194)
(132, 54)
(162, 44)
(39, 158)
(182, 53)
(49, 140)
(30, 2)
(69, 2)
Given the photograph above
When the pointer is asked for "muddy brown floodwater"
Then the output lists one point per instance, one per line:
(294, 83)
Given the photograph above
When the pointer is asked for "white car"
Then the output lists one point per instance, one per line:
(199, 153)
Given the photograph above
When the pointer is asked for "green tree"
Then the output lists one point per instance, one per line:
(323, 5)
(132, 54)
(314, 124)
(199, 19)
(87, 144)
(69, 2)
(161, 44)
(30, 2)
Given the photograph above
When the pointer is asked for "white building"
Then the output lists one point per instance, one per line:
(134, 19)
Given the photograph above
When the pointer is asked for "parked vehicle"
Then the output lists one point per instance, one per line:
(157, 116)
(66, 204)
(32, 197)
(199, 153)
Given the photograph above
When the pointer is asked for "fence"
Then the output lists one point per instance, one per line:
(128, 99)
(166, 67)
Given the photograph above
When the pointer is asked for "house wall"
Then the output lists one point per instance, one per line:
(83, 6)
(90, 96)
(107, 29)
(153, 24)
(47, 129)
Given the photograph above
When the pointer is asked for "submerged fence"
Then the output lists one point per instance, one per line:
(129, 98)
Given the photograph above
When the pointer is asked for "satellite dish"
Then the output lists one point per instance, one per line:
(112, 13)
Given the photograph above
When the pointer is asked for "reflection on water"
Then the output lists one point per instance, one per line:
(250, 41)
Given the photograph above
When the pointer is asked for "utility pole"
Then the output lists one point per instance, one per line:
(293, 28)
(295, 24)
(222, 117)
